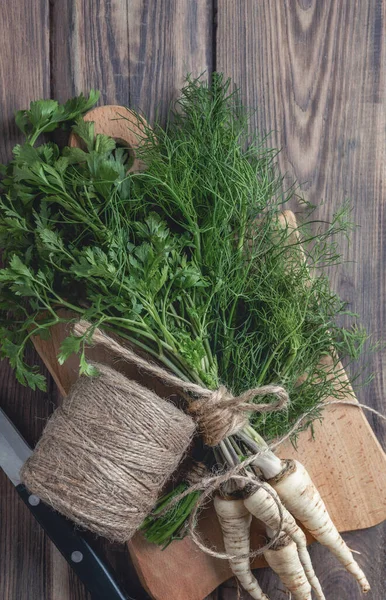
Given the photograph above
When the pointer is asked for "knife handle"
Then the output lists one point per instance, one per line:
(92, 571)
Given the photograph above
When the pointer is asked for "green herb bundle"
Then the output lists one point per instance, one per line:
(188, 260)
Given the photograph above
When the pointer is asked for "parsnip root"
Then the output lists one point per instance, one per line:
(261, 504)
(284, 560)
(235, 522)
(300, 496)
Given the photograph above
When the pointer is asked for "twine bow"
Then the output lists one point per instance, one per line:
(219, 414)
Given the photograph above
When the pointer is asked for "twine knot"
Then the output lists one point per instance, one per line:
(220, 414)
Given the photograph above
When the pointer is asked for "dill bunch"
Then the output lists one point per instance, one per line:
(189, 260)
(267, 311)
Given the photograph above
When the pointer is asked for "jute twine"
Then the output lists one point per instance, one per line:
(107, 452)
(218, 413)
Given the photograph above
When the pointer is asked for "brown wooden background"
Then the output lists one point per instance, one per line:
(315, 71)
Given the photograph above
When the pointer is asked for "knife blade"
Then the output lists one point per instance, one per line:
(84, 560)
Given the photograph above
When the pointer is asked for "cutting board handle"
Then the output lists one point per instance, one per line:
(120, 123)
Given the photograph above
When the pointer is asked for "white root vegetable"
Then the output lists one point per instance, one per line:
(261, 504)
(300, 496)
(284, 560)
(235, 521)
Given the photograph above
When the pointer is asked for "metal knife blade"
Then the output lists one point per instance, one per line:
(14, 450)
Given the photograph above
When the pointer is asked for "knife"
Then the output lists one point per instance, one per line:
(86, 563)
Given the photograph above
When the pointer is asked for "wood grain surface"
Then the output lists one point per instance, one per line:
(315, 70)
(137, 52)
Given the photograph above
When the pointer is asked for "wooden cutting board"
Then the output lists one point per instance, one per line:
(344, 458)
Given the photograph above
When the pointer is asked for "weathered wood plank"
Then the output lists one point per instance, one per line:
(315, 73)
(167, 41)
(24, 66)
(90, 49)
(137, 52)
(30, 566)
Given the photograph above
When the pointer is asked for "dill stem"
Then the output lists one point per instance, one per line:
(224, 449)
(178, 317)
(204, 337)
(169, 363)
(267, 461)
(274, 354)
(232, 315)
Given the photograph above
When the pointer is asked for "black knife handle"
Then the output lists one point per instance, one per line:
(95, 575)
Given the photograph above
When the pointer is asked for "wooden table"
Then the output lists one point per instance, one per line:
(315, 71)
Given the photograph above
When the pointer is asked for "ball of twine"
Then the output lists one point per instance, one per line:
(107, 452)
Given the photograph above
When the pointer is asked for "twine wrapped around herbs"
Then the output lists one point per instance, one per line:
(108, 450)
(218, 413)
